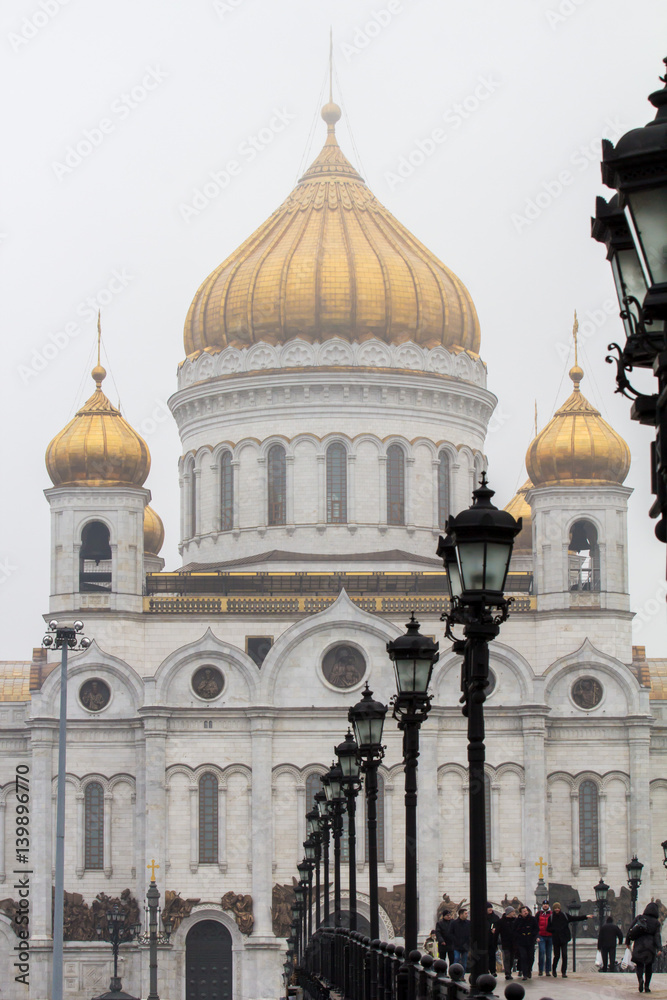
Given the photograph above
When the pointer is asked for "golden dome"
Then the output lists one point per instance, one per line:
(331, 262)
(153, 532)
(519, 507)
(577, 446)
(98, 447)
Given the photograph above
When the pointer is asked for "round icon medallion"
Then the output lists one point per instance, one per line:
(94, 694)
(343, 666)
(208, 682)
(587, 692)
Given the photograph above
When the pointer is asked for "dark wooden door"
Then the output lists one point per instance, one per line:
(208, 962)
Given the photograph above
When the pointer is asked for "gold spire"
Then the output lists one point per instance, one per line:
(576, 373)
(98, 447)
(331, 262)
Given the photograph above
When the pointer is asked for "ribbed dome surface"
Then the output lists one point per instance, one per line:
(577, 446)
(519, 507)
(98, 447)
(331, 262)
(153, 531)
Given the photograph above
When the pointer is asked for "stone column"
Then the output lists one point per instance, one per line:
(193, 796)
(410, 502)
(222, 826)
(155, 739)
(289, 488)
(261, 730)
(351, 489)
(428, 830)
(534, 766)
(106, 844)
(321, 490)
(496, 859)
(639, 738)
(236, 493)
(382, 491)
(435, 466)
(3, 873)
(263, 519)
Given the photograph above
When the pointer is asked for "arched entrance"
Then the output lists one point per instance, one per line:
(208, 962)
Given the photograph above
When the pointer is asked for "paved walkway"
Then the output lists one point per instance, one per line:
(589, 986)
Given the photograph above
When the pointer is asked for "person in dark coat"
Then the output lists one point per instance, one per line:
(610, 935)
(559, 926)
(461, 938)
(644, 936)
(505, 933)
(525, 937)
(492, 920)
(544, 944)
(443, 935)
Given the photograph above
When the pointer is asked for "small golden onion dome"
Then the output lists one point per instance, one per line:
(153, 531)
(98, 447)
(519, 507)
(331, 262)
(577, 446)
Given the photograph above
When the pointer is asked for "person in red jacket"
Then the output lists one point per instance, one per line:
(544, 942)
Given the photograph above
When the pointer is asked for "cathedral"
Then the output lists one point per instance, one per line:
(332, 406)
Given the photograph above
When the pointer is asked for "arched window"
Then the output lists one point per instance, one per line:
(336, 484)
(208, 819)
(93, 803)
(313, 786)
(395, 485)
(95, 559)
(443, 489)
(584, 557)
(277, 485)
(380, 816)
(226, 492)
(488, 818)
(588, 825)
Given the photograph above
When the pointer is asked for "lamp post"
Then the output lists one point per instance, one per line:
(367, 717)
(153, 937)
(413, 656)
(325, 829)
(117, 933)
(315, 838)
(637, 168)
(297, 917)
(333, 789)
(601, 890)
(349, 765)
(63, 637)
(306, 876)
(634, 869)
(574, 909)
(476, 554)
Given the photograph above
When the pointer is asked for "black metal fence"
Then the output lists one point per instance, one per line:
(346, 964)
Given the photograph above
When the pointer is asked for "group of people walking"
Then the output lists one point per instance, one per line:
(517, 934)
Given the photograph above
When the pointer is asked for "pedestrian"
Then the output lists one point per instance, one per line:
(461, 938)
(492, 920)
(505, 933)
(559, 925)
(610, 935)
(443, 935)
(644, 935)
(544, 942)
(430, 944)
(526, 935)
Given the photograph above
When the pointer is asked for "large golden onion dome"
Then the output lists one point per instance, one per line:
(98, 447)
(577, 447)
(153, 531)
(519, 507)
(331, 262)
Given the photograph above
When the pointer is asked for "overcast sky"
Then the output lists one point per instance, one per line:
(157, 96)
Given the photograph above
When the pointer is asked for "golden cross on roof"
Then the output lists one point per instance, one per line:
(540, 864)
(99, 335)
(330, 65)
(575, 330)
(152, 866)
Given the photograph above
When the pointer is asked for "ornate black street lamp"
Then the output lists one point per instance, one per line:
(325, 830)
(333, 789)
(152, 936)
(601, 890)
(64, 637)
(117, 934)
(367, 718)
(476, 554)
(634, 869)
(574, 909)
(306, 871)
(413, 656)
(314, 836)
(637, 168)
(349, 765)
(298, 917)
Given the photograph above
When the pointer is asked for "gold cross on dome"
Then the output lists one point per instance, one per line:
(540, 864)
(152, 866)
